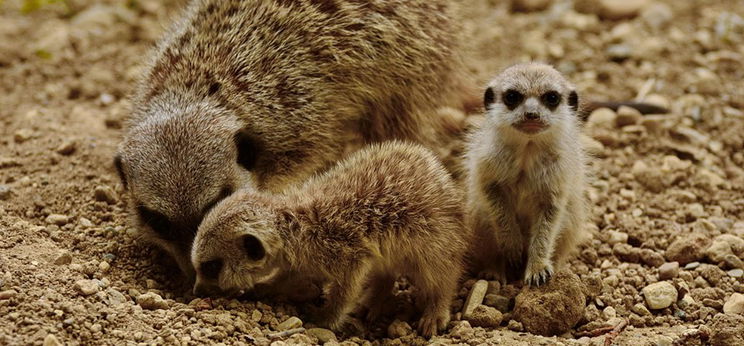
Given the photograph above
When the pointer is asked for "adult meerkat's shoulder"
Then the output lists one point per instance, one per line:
(264, 93)
(527, 175)
(381, 213)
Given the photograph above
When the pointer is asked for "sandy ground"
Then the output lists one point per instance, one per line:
(668, 187)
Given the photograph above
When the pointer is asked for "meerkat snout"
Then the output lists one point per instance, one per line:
(233, 253)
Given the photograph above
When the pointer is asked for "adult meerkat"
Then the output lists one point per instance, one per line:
(527, 175)
(387, 210)
(263, 93)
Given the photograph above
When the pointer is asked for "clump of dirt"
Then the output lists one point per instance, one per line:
(667, 188)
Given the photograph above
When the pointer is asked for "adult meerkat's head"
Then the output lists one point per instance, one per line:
(176, 163)
(237, 246)
(531, 99)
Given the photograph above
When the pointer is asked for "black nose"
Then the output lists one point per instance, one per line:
(204, 290)
(532, 116)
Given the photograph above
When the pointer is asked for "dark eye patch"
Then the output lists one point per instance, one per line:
(211, 269)
(157, 221)
(512, 98)
(226, 191)
(248, 150)
(551, 99)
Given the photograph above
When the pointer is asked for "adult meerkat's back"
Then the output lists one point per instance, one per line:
(527, 175)
(263, 93)
(383, 212)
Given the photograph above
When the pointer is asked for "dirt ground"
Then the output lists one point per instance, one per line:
(668, 188)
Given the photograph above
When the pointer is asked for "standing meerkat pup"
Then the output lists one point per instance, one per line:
(264, 93)
(387, 210)
(527, 175)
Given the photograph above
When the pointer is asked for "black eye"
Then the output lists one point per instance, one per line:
(211, 269)
(512, 98)
(157, 221)
(248, 150)
(214, 88)
(551, 99)
(226, 191)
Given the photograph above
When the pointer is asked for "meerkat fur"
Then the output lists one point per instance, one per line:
(526, 176)
(388, 210)
(265, 93)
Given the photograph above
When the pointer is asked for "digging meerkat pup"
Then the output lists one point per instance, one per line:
(264, 93)
(527, 175)
(387, 210)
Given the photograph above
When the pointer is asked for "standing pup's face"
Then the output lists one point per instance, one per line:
(530, 98)
(176, 167)
(234, 249)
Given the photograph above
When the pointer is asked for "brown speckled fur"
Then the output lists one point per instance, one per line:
(387, 210)
(305, 81)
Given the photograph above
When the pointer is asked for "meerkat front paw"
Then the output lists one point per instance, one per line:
(432, 322)
(538, 272)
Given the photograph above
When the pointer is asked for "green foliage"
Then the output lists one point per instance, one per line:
(33, 5)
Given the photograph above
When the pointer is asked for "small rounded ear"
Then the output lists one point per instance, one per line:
(248, 150)
(489, 97)
(253, 247)
(120, 170)
(573, 100)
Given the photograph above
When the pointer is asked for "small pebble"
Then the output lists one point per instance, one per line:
(515, 326)
(291, 323)
(475, 298)
(151, 301)
(462, 330)
(398, 329)
(734, 305)
(668, 271)
(615, 237)
(659, 295)
(5, 192)
(22, 135)
(57, 219)
(530, 5)
(67, 148)
(485, 316)
(499, 302)
(51, 340)
(736, 273)
(86, 287)
(64, 258)
(641, 310)
(105, 194)
(5, 295)
(692, 265)
(621, 9)
(323, 335)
